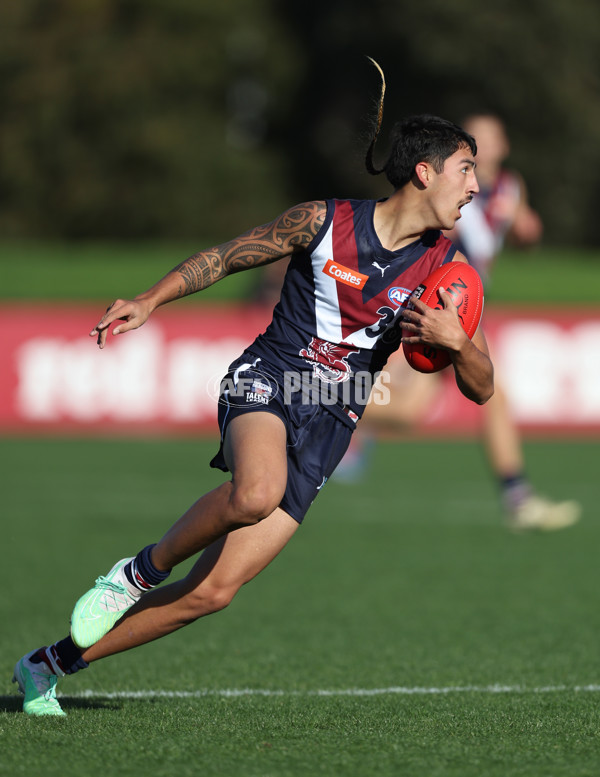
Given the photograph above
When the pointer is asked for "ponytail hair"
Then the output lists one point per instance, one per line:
(371, 169)
(422, 138)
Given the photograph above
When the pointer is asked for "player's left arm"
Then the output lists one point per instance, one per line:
(473, 368)
(441, 328)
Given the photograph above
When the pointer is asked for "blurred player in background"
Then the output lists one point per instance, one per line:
(499, 213)
(332, 326)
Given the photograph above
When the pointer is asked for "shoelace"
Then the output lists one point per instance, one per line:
(115, 590)
(51, 692)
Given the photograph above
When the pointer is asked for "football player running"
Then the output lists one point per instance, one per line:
(290, 403)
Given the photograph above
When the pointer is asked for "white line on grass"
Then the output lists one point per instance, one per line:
(392, 691)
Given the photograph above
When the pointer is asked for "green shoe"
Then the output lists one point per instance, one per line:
(38, 684)
(101, 607)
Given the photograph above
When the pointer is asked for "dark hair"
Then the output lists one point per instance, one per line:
(416, 139)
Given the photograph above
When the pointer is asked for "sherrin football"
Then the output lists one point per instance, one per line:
(464, 285)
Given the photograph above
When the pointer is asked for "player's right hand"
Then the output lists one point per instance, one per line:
(133, 312)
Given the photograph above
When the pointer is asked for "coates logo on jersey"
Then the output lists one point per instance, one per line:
(398, 295)
(345, 275)
(328, 360)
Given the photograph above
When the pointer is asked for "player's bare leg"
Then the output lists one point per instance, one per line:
(400, 400)
(212, 583)
(411, 396)
(255, 452)
(500, 436)
(524, 508)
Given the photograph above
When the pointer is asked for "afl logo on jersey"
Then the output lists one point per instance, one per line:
(398, 295)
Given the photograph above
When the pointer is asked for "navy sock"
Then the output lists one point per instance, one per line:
(142, 573)
(515, 489)
(69, 655)
(64, 654)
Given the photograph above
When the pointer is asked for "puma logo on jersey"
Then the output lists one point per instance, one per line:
(345, 274)
(383, 269)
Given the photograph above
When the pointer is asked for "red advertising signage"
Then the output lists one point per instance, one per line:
(165, 376)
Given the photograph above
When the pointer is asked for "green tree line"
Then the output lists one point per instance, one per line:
(182, 118)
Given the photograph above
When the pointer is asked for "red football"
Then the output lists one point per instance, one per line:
(464, 285)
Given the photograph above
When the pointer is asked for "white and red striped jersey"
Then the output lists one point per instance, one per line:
(481, 231)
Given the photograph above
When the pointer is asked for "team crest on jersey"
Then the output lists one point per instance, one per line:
(328, 360)
(398, 295)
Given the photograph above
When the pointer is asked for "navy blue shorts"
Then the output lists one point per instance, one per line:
(316, 438)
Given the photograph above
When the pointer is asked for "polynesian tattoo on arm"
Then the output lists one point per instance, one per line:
(290, 232)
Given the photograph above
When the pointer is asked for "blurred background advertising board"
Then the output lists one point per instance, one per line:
(165, 377)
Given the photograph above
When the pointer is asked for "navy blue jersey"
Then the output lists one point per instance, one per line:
(338, 318)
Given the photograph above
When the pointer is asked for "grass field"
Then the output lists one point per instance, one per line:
(404, 631)
(104, 271)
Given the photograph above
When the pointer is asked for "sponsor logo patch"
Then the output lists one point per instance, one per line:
(260, 393)
(345, 275)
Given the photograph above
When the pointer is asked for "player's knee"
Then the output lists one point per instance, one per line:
(206, 600)
(253, 503)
